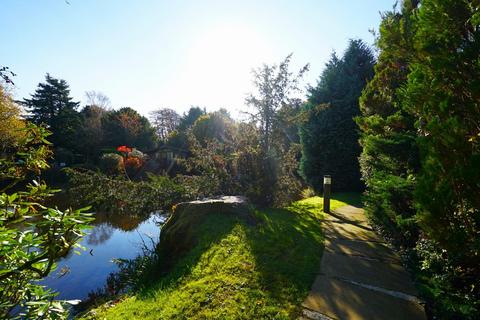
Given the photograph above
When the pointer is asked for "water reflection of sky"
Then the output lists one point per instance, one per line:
(111, 237)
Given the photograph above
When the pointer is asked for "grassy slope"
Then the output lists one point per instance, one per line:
(238, 271)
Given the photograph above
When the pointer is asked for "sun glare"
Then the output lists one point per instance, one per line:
(219, 64)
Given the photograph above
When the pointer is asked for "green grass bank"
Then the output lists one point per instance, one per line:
(238, 271)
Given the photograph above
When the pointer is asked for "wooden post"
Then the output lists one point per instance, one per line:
(327, 183)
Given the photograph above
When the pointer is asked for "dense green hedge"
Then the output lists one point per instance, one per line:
(421, 147)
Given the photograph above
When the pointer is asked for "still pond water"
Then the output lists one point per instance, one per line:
(113, 236)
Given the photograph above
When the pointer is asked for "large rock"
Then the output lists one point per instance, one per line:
(179, 234)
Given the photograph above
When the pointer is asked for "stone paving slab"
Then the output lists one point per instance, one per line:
(387, 275)
(360, 277)
(359, 224)
(340, 300)
(375, 250)
(335, 230)
(349, 213)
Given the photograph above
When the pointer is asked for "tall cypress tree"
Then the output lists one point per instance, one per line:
(443, 92)
(389, 160)
(329, 135)
(421, 146)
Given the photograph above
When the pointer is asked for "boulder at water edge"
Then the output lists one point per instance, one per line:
(178, 234)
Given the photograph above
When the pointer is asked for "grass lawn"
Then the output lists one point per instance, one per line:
(238, 271)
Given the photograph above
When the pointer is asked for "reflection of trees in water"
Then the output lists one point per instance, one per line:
(107, 223)
(120, 221)
(99, 234)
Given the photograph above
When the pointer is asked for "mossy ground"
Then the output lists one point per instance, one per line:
(238, 271)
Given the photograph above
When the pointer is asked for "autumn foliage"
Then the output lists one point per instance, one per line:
(124, 149)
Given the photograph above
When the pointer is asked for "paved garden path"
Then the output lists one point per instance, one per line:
(360, 277)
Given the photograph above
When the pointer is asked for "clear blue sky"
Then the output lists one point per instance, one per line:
(148, 54)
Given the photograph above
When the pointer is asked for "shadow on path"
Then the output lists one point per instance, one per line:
(360, 277)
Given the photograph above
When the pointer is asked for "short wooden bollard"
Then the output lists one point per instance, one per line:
(327, 183)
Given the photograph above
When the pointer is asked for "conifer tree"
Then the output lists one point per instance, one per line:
(52, 106)
(443, 92)
(421, 146)
(389, 159)
(329, 135)
(49, 100)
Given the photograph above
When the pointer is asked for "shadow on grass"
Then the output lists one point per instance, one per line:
(236, 270)
(287, 249)
(350, 198)
(287, 245)
(210, 231)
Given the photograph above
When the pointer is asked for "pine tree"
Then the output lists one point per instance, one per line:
(329, 135)
(49, 100)
(51, 105)
(189, 118)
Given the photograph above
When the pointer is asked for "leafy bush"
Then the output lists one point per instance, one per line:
(308, 193)
(253, 168)
(111, 163)
(133, 162)
(32, 235)
(441, 279)
(288, 186)
(10, 121)
(120, 194)
(240, 166)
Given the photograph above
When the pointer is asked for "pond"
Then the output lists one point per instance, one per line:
(113, 236)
